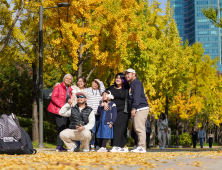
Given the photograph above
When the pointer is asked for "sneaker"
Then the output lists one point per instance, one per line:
(123, 150)
(134, 147)
(76, 149)
(97, 147)
(102, 149)
(115, 149)
(73, 148)
(85, 150)
(92, 148)
(60, 149)
(162, 148)
(139, 150)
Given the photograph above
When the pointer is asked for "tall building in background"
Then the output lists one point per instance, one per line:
(194, 26)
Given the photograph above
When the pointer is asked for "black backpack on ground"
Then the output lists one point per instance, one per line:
(11, 146)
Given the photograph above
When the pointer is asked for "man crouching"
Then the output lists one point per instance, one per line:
(82, 120)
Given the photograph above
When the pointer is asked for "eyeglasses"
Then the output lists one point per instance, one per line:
(81, 96)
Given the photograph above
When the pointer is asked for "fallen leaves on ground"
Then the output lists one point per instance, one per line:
(81, 161)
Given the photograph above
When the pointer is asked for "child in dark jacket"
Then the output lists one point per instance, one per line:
(108, 113)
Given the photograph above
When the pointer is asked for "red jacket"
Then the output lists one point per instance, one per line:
(58, 98)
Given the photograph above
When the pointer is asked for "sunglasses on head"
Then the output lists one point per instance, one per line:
(80, 96)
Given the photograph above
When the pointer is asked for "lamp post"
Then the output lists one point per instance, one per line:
(41, 9)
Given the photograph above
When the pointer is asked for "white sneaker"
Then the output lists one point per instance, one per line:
(115, 149)
(139, 150)
(162, 148)
(123, 150)
(102, 150)
(85, 150)
(72, 149)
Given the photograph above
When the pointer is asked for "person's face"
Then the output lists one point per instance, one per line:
(118, 80)
(105, 96)
(161, 116)
(94, 85)
(129, 76)
(194, 130)
(81, 99)
(67, 80)
(81, 83)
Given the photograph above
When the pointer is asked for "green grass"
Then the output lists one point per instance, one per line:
(207, 144)
(47, 145)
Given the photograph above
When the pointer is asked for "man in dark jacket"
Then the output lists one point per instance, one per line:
(82, 120)
(139, 108)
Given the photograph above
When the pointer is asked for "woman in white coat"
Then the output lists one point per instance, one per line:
(162, 123)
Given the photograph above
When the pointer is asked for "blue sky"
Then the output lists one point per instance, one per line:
(162, 4)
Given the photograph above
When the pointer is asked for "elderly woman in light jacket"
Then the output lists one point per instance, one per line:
(162, 123)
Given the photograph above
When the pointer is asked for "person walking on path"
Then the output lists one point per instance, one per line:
(148, 131)
(108, 113)
(120, 91)
(139, 108)
(82, 120)
(162, 123)
(194, 137)
(60, 95)
(201, 136)
(210, 138)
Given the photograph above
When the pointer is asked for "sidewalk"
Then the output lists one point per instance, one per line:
(184, 158)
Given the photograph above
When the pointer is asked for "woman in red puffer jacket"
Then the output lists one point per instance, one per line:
(60, 95)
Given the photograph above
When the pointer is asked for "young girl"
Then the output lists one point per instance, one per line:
(108, 113)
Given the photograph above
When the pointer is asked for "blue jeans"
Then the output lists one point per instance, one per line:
(95, 128)
(201, 142)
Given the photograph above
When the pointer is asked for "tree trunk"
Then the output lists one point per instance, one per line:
(11, 29)
(35, 124)
(167, 107)
(177, 131)
(196, 120)
(187, 127)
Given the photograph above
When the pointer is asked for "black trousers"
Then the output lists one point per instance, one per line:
(194, 143)
(120, 130)
(210, 142)
(147, 140)
(61, 123)
(134, 136)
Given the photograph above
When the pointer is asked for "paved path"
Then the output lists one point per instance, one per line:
(156, 159)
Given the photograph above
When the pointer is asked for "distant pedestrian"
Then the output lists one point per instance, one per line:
(139, 108)
(210, 138)
(108, 113)
(201, 136)
(60, 96)
(162, 123)
(194, 137)
(148, 131)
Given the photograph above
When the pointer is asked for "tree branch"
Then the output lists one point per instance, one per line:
(13, 24)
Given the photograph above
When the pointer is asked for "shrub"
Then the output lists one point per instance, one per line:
(185, 139)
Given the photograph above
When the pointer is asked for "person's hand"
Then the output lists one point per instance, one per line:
(110, 125)
(80, 128)
(133, 113)
(57, 84)
(97, 80)
(70, 102)
(105, 105)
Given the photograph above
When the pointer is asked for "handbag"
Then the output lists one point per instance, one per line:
(166, 129)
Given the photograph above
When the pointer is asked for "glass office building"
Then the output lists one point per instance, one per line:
(195, 27)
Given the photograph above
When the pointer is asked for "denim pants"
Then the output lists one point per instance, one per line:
(201, 142)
